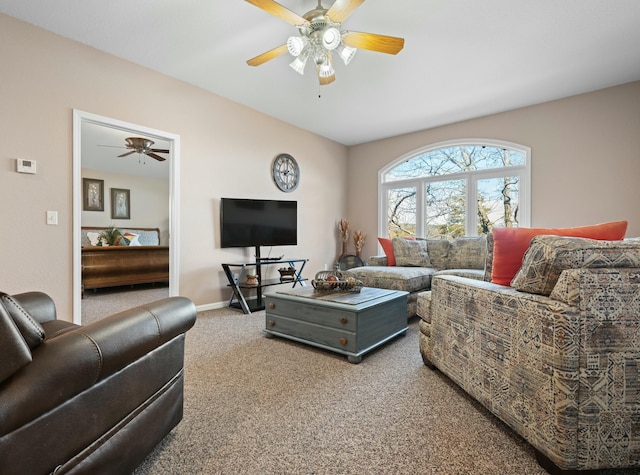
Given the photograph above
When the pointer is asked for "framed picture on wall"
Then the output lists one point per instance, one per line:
(120, 203)
(92, 194)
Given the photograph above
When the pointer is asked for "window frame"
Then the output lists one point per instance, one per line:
(471, 177)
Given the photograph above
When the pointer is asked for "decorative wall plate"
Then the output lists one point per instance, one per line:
(286, 172)
(349, 262)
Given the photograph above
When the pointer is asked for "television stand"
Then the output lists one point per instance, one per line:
(239, 284)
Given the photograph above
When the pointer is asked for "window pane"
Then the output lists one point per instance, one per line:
(445, 209)
(455, 159)
(401, 212)
(498, 203)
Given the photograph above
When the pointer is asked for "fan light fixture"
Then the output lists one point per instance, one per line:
(320, 35)
(296, 44)
(326, 69)
(331, 38)
(300, 62)
(318, 39)
(346, 53)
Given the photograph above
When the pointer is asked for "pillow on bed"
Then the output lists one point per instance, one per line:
(94, 238)
(129, 239)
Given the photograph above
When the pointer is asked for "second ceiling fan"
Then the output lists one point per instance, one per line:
(143, 146)
(321, 36)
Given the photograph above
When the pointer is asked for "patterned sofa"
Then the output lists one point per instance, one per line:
(417, 262)
(556, 355)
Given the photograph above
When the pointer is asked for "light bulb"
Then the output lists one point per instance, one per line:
(299, 63)
(326, 70)
(331, 38)
(346, 53)
(296, 44)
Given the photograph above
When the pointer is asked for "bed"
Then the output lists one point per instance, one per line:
(142, 261)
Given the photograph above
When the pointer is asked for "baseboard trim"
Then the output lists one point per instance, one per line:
(211, 306)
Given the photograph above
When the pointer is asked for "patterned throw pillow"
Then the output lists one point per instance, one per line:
(387, 247)
(548, 256)
(410, 253)
(129, 239)
(438, 250)
(467, 253)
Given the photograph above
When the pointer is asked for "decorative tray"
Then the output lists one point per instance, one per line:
(336, 281)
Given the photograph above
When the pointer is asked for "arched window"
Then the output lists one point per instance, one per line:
(457, 188)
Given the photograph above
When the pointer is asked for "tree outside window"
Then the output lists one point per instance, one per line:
(459, 189)
(401, 212)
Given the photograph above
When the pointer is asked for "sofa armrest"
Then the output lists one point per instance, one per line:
(126, 336)
(604, 340)
(72, 362)
(378, 261)
(554, 372)
(512, 351)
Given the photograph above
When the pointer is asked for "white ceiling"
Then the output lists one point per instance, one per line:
(462, 58)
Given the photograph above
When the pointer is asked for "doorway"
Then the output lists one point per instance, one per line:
(89, 128)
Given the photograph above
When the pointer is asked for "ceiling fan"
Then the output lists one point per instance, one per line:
(320, 37)
(143, 146)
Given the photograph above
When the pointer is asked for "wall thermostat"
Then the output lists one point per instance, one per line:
(26, 166)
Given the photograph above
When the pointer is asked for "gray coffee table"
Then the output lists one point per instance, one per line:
(343, 322)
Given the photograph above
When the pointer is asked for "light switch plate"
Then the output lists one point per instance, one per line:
(52, 217)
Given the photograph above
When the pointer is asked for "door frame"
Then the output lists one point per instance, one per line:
(80, 118)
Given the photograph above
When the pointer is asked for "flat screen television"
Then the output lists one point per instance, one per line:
(255, 223)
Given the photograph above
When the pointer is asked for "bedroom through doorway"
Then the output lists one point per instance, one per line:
(125, 183)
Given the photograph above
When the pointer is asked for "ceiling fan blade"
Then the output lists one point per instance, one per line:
(128, 153)
(373, 42)
(341, 9)
(269, 55)
(112, 146)
(327, 80)
(157, 157)
(159, 150)
(278, 10)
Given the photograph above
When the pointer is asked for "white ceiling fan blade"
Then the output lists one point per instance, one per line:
(341, 9)
(373, 42)
(269, 55)
(278, 10)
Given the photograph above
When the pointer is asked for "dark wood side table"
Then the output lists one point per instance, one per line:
(238, 282)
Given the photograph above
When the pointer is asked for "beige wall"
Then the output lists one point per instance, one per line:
(585, 159)
(227, 150)
(149, 206)
(585, 149)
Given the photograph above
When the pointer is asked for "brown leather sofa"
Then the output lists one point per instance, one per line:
(92, 399)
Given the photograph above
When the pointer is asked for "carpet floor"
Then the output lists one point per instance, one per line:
(255, 405)
(100, 303)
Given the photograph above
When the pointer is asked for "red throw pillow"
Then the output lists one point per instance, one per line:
(387, 247)
(510, 244)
